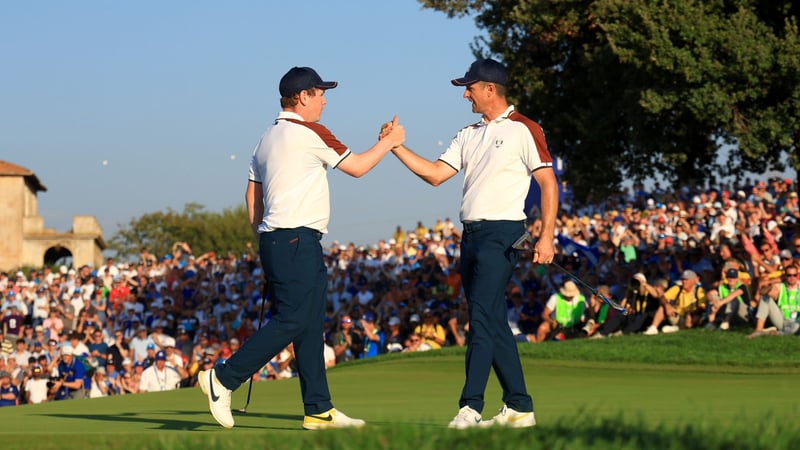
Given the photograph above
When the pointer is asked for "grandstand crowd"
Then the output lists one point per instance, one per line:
(717, 258)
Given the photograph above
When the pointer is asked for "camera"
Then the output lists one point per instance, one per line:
(635, 286)
(51, 380)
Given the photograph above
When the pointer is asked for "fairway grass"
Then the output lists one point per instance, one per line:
(631, 392)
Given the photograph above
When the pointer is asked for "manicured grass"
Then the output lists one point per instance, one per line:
(688, 390)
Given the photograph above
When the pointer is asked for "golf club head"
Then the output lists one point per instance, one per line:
(524, 242)
(242, 410)
(613, 304)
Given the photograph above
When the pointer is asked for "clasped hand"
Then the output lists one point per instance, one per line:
(392, 131)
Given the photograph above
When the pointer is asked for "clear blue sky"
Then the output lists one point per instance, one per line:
(174, 96)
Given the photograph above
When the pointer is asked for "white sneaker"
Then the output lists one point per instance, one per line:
(219, 397)
(332, 418)
(466, 418)
(650, 331)
(510, 418)
(669, 329)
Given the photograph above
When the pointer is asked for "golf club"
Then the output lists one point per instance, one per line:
(594, 292)
(243, 410)
(525, 242)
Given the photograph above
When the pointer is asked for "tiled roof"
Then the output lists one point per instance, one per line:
(7, 168)
(10, 169)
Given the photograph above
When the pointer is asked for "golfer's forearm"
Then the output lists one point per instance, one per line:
(430, 172)
(549, 192)
(255, 205)
(358, 164)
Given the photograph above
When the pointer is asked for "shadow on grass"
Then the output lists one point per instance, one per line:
(158, 423)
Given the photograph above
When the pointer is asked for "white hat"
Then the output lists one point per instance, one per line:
(569, 289)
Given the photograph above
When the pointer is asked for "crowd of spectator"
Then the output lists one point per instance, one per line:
(717, 257)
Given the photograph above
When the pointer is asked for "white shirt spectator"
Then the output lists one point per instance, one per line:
(41, 307)
(364, 295)
(37, 389)
(155, 379)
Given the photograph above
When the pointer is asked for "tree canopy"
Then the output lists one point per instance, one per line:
(626, 89)
(204, 231)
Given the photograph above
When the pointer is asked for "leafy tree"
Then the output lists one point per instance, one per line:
(627, 89)
(204, 231)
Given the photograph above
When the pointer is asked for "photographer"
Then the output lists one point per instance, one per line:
(71, 380)
(642, 301)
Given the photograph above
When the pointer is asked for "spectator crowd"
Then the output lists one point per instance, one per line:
(717, 258)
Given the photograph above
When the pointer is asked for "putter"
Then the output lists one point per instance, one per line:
(243, 410)
(525, 242)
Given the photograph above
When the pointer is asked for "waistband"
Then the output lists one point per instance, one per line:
(471, 226)
(299, 230)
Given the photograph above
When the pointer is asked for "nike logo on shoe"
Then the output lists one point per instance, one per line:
(214, 397)
(518, 418)
(328, 418)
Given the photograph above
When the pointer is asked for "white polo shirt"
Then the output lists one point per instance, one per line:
(498, 158)
(290, 163)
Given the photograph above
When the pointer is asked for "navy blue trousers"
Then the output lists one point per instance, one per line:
(293, 265)
(487, 261)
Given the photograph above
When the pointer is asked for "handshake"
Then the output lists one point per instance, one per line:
(392, 132)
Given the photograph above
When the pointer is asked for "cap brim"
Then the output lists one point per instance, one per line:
(327, 85)
(464, 81)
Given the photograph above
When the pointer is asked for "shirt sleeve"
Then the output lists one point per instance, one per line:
(452, 156)
(254, 174)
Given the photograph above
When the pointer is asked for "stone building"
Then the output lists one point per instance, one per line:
(24, 240)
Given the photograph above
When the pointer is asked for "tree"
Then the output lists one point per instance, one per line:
(204, 231)
(631, 88)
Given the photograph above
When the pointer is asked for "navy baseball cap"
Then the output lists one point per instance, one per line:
(301, 78)
(161, 356)
(487, 70)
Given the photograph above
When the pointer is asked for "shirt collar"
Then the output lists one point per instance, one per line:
(290, 115)
(501, 117)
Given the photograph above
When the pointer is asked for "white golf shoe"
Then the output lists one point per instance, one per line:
(332, 418)
(219, 397)
(510, 418)
(670, 329)
(466, 418)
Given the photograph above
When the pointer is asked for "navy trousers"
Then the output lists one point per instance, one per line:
(487, 261)
(293, 265)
